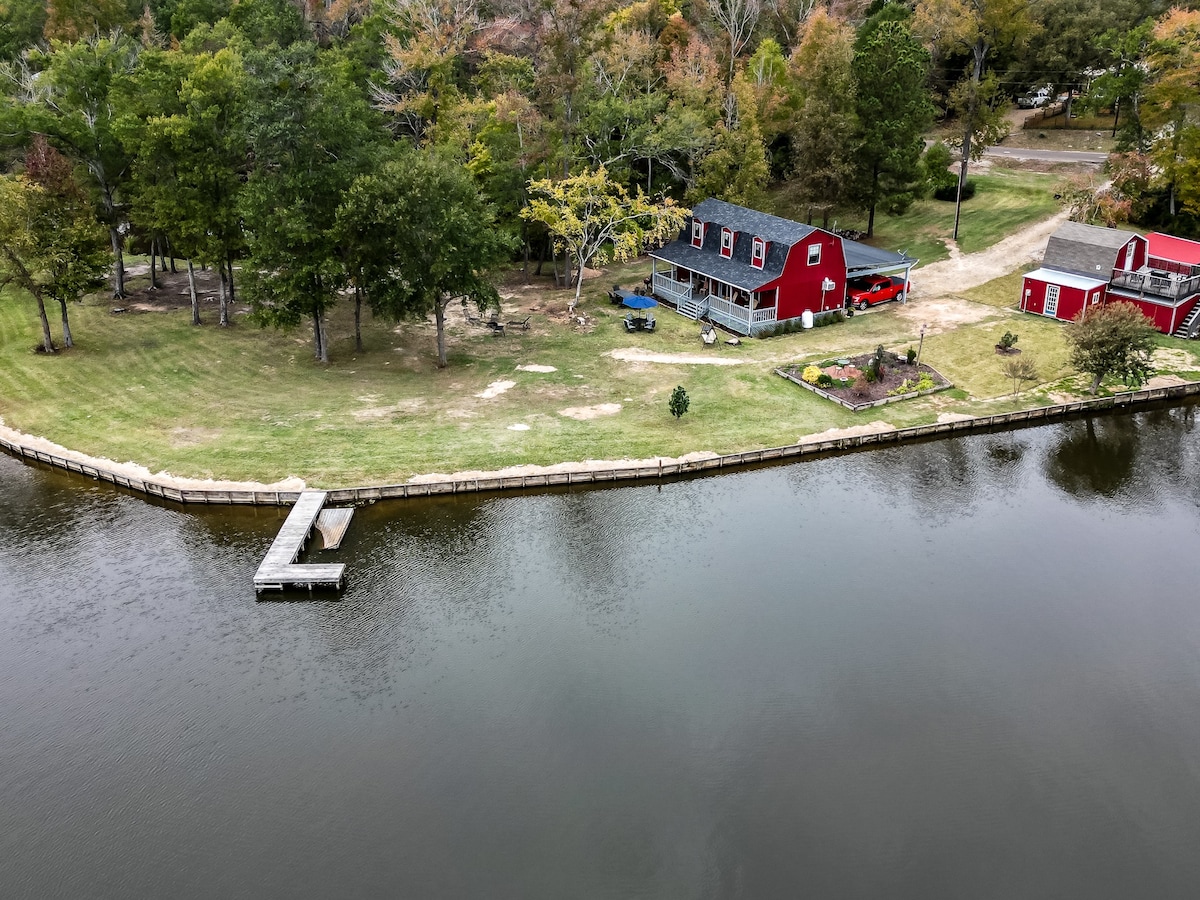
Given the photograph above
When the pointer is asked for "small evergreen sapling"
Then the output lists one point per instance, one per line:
(679, 402)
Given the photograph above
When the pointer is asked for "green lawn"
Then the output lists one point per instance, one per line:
(247, 403)
(1005, 201)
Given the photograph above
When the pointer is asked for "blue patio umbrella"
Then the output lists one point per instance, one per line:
(637, 301)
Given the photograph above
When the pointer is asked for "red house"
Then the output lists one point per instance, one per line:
(749, 271)
(1085, 265)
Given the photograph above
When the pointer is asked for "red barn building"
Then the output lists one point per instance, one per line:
(748, 270)
(1085, 265)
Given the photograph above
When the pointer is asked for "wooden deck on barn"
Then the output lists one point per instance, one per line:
(279, 571)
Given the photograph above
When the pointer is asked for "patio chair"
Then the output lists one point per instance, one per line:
(523, 324)
(630, 325)
(650, 323)
(496, 327)
(708, 335)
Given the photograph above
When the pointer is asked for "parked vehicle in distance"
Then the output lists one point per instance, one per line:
(872, 289)
(1036, 98)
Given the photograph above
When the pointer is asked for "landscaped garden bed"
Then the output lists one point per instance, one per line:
(869, 379)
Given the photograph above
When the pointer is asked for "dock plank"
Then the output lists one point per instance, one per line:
(278, 570)
(332, 523)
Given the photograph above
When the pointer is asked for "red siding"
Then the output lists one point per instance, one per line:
(1165, 317)
(800, 284)
(1071, 300)
(1139, 255)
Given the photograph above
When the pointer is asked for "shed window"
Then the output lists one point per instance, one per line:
(726, 242)
(758, 253)
(814, 254)
(697, 233)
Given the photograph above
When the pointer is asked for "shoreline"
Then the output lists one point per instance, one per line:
(186, 491)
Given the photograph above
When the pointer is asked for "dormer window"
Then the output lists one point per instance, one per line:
(697, 233)
(726, 242)
(758, 253)
(814, 254)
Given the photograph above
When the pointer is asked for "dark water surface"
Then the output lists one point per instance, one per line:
(963, 669)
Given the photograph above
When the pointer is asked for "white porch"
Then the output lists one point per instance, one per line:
(700, 296)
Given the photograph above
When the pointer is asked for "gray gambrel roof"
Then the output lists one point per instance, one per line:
(1085, 249)
(781, 235)
(739, 218)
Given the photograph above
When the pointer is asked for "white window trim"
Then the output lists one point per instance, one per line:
(758, 253)
(727, 249)
(814, 258)
(697, 233)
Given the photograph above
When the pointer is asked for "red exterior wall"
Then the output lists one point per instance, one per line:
(1166, 318)
(800, 284)
(1071, 300)
(1139, 255)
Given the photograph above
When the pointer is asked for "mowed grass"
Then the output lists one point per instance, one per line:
(251, 404)
(1005, 201)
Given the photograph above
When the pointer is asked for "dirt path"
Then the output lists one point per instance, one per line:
(967, 270)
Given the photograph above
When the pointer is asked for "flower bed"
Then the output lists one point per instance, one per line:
(846, 381)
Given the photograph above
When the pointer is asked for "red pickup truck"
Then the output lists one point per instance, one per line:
(872, 289)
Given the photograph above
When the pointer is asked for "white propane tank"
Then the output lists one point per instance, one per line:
(806, 318)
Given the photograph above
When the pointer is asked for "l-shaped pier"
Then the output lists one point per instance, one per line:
(279, 569)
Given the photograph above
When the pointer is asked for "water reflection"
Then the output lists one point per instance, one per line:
(858, 677)
(1106, 458)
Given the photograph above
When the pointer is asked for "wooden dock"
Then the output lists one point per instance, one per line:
(279, 570)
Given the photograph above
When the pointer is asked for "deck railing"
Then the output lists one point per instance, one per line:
(1157, 283)
(668, 287)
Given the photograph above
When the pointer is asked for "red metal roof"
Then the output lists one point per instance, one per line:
(1165, 246)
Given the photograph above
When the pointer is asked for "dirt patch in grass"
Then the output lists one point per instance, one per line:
(584, 413)
(374, 413)
(495, 389)
(636, 354)
(944, 314)
(536, 368)
(1166, 358)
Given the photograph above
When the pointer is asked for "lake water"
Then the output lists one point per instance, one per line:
(963, 669)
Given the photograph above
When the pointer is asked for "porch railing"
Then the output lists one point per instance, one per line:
(736, 317)
(668, 287)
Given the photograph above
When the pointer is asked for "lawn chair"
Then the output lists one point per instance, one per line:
(496, 327)
(630, 325)
(523, 324)
(650, 323)
(708, 335)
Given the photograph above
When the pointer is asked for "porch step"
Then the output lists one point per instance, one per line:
(693, 307)
(1188, 327)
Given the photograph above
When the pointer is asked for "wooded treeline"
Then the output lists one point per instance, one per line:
(386, 150)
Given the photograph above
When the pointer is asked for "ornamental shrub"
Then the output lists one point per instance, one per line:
(911, 355)
(824, 381)
(811, 374)
(679, 402)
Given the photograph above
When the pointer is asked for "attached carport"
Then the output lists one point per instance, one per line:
(863, 259)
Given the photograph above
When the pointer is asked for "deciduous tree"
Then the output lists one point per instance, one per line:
(421, 237)
(978, 28)
(1114, 339)
(596, 220)
(50, 241)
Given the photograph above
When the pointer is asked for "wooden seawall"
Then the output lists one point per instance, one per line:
(1037, 416)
